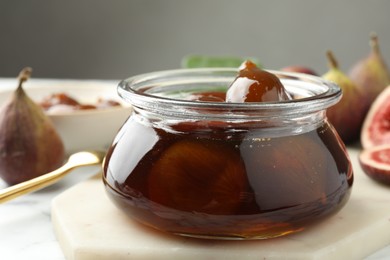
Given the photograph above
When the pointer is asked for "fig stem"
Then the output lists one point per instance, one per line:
(332, 60)
(24, 75)
(374, 43)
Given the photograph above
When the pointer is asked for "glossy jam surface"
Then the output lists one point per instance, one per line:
(208, 182)
(253, 84)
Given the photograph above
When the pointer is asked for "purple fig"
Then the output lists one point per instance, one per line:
(29, 144)
(371, 74)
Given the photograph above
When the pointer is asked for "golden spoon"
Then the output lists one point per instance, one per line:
(76, 160)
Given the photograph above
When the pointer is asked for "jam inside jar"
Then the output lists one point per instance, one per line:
(186, 163)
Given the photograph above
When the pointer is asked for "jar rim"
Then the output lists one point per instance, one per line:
(139, 92)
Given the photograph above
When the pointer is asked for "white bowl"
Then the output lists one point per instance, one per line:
(83, 129)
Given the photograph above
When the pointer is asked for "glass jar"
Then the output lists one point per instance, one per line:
(227, 170)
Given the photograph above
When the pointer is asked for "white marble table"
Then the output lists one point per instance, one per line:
(25, 223)
(26, 230)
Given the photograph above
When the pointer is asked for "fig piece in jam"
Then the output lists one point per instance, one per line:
(198, 176)
(214, 169)
(255, 85)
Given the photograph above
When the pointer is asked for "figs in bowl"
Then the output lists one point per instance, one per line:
(79, 129)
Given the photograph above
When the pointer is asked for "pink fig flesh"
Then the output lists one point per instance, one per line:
(375, 162)
(376, 126)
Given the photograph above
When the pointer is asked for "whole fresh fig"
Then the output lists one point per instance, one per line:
(346, 116)
(371, 74)
(29, 144)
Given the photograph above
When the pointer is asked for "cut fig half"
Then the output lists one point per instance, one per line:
(376, 126)
(375, 162)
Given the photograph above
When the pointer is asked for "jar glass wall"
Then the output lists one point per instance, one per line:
(227, 170)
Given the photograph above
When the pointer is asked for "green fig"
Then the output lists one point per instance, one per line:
(371, 74)
(346, 116)
(29, 144)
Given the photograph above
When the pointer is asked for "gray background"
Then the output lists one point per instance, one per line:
(115, 39)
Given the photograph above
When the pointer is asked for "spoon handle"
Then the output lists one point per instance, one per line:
(44, 180)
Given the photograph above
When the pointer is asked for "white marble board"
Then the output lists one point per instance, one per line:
(88, 226)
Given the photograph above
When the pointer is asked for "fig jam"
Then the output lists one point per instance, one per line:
(208, 182)
(62, 102)
(197, 166)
